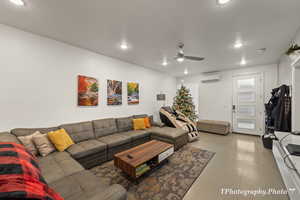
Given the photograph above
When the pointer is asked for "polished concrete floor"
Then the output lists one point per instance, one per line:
(241, 163)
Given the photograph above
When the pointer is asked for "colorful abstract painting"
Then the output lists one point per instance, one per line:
(114, 92)
(87, 91)
(133, 93)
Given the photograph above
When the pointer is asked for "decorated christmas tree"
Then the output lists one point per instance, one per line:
(184, 103)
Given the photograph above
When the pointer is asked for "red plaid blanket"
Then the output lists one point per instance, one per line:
(20, 175)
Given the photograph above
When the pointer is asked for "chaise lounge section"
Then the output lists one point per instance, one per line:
(175, 136)
(67, 177)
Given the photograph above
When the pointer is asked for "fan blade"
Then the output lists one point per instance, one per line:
(194, 58)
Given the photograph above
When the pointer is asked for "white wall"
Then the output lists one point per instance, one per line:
(296, 91)
(289, 75)
(284, 71)
(285, 65)
(296, 99)
(215, 98)
(38, 82)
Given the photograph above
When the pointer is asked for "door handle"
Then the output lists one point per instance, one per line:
(233, 108)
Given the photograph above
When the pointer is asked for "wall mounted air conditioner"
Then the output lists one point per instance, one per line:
(211, 78)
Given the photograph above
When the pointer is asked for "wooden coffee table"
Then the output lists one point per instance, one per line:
(140, 159)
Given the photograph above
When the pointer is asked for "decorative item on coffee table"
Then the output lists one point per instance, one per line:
(140, 159)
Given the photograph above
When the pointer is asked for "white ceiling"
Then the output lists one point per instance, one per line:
(154, 28)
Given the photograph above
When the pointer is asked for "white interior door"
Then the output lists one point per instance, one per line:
(247, 108)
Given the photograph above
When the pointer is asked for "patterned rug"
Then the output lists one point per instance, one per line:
(169, 182)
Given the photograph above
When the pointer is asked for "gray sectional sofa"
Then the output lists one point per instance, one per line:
(95, 142)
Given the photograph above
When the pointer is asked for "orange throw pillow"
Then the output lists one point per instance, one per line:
(147, 122)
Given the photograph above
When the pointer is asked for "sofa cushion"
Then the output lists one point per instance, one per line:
(124, 124)
(8, 137)
(168, 132)
(86, 148)
(77, 184)
(28, 131)
(103, 127)
(136, 134)
(157, 124)
(151, 120)
(86, 186)
(58, 165)
(139, 116)
(80, 131)
(114, 140)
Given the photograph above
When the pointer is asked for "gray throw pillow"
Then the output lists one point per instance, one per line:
(43, 144)
(27, 141)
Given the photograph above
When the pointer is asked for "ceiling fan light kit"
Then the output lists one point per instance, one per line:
(181, 57)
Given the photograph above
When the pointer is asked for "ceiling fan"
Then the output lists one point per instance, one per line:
(181, 57)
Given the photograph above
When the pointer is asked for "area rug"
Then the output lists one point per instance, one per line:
(169, 182)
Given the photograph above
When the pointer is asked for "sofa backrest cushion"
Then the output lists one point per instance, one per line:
(80, 131)
(28, 131)
(140, 116)
(103, 127)
(151, 120)
(8, 137)
(124, 124)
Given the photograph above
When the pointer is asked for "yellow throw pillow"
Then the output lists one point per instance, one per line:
(60, 139)
(139, 124)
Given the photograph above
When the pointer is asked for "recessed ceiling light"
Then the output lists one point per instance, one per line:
(180, 59)
(124, 46)
(243, 62)
(222, 2)
(165, 63)
(186, 72)
(238, 44)
(18, 2)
